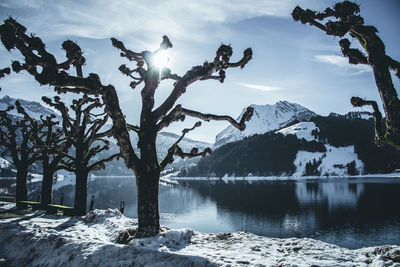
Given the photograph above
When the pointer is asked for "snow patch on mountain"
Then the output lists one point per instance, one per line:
(265, 118)
(4, 164)
(301, 130)
(334, 160)
(166, 139)
(34, 109)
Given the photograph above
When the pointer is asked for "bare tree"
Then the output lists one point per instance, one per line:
(145, 166)
(49, 141)
(82, 131)
(16, 135)
(346, 19)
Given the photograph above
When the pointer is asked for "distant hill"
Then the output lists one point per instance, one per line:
(332, 145)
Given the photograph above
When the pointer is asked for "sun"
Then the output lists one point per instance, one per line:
(161, 59)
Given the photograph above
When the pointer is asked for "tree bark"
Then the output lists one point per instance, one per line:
(148, 213)
(390, 101)
(21, 191)
(147, 180)
(81, 185)
(47, 185)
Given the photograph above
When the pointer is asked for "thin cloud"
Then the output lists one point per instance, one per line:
(343, 63)
(185, 19)
(261, 87)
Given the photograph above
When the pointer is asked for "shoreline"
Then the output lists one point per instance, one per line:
(283, 178)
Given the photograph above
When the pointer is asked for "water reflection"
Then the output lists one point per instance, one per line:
(350, 213)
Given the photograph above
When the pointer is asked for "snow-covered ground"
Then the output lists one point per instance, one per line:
(45, 240)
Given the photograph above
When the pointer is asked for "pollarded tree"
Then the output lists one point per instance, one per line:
(49, 141)
(145, 166)
(82, 131)
(346, 19)
(16, 137)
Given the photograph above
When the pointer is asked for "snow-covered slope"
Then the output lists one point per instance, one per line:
(4, 164)
(34, 109)
(266, 118)
(166, 139)
(43, 240)
(301, 130)
(332, 162)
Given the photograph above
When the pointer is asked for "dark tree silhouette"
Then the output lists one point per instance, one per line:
(49, 140)
(347, 20)
(16, 135)
(82, 131)
(145, 166)
(3, 72)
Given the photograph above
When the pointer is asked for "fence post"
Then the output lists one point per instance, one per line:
(91, 203)
(62, 198)
(122, 207)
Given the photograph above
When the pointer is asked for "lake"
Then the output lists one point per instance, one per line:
(352, 213)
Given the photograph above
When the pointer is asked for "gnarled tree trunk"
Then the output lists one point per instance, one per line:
(147, 203)
(81, 187)
(21, 189)
(147, 181)
(47, 184)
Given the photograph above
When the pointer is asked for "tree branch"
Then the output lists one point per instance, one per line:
(208, 117)
(359, 102)
(202, 72)
(100, 164)
(176, 150)
(119, 129)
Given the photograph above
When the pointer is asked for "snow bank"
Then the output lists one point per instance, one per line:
(39, 239)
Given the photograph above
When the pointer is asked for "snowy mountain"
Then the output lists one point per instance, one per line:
(164, 141)
(335, 145)
(6, 168)
(265, 118)
(34, 109)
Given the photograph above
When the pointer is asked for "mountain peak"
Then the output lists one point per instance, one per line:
(266, 118)
(34, 109)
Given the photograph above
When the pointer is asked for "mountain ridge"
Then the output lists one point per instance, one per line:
(265, 118)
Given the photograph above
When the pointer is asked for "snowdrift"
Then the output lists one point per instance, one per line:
(38, 239)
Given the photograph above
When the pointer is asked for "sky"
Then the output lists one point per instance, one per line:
(291, 61)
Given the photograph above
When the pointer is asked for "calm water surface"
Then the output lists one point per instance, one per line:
(351, 213)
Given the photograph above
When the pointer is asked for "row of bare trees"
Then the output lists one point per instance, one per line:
(146, 166)
(70, 146)
(143, 162)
